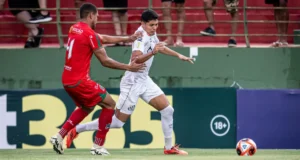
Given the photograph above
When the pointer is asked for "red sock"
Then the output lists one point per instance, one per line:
(76, 117)
(104, 124)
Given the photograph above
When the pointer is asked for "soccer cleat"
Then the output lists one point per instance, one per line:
(72, 134)
(56, 141)
(98, 150)
(175, 150)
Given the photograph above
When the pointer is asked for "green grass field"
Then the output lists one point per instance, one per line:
(142, 154)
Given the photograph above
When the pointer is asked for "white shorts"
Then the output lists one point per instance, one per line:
(130, 94)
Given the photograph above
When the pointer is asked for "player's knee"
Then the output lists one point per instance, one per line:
(87, 109)
(168, 111)
(111, 105)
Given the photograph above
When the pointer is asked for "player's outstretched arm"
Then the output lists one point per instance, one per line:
(171, 52)
(110, 63)
(116, 39)
(139, 57)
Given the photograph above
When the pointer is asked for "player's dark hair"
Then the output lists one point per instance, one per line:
(86, 9)
(149, 15)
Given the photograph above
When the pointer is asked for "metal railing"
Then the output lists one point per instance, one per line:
(246, 34)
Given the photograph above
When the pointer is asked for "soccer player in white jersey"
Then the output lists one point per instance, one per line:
(136, 85)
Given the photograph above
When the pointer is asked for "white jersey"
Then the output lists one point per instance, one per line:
(135, 85)
(145, 44)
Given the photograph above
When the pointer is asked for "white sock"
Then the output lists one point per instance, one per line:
(167, 125)
(59, 137)
(93, 126)
(116, 123)
(90, 126)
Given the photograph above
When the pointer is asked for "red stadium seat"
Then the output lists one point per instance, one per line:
(191, 15)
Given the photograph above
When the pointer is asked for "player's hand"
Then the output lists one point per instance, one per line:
(135, 36)
(136, 67)
(159, 47)
(184, 58)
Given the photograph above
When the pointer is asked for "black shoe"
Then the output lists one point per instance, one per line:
(208, 32)
(231, 43)
(38, 37)
(29, 44)
(41, 18)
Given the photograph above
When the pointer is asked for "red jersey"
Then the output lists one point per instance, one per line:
(82, 42)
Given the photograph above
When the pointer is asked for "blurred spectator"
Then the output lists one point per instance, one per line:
(34, 32)
(167, 17)
(231, 6)
(118, 16)
(2, 2)
(43, 15)
(78, 3)
(280, 15)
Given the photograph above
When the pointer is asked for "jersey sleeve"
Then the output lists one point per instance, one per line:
(156, 39)
(94, 41)
(138, 45)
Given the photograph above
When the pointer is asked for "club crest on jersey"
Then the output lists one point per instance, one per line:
(140, 39)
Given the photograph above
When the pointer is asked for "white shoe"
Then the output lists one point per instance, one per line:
(98, 150)
(57, 143)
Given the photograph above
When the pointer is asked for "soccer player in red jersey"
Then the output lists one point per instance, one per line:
(83, 42)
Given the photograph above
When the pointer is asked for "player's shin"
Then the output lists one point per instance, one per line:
(76, 117)
(104, 125)
(167, 125)
(93, 125)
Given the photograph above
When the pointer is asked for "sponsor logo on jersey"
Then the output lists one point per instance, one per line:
(68, 68)
(76, 30)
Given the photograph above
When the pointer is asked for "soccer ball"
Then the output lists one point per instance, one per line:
(246, 147)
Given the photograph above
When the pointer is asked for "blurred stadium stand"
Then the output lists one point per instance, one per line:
(190, 28)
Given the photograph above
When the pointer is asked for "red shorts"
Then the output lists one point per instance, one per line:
(86, 93)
